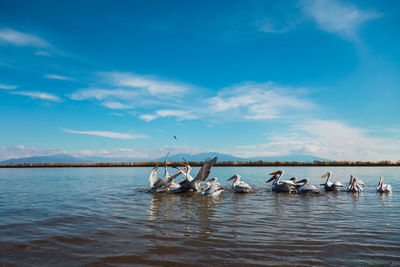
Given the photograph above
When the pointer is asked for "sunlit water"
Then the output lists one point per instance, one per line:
(101, 216)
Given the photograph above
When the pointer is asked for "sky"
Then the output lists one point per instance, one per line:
(246, 78)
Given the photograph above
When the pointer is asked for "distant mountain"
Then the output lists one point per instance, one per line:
(64, 158)
(226, 157)
(59, 158)
(293, 157)
(201, 157)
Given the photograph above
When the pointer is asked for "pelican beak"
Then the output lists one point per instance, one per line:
(275, 173)
(272, 178)
(168, 187)
(325, 175)
(233, 177)
(301, 181)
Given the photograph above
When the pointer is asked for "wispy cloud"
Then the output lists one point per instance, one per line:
(336, 16)
(38, 95)
(330, 139)
(115, 105)
(58, 77)
(17, 38)
(108, 134)
(146, 83)
(179, 114)
(259, 101)
(8, 87)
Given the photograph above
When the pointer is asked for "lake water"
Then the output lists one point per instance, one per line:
(102, 217)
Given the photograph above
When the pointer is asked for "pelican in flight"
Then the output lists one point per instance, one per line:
(383, 188)
(158, 184)
(188, 184)
(328, 185)
(281, 186)
(306, 188)
(239, 186)
(354, 187)
(213, 188)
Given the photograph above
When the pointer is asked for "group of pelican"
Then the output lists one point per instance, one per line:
(210, 187)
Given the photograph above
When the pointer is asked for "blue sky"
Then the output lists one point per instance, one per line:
(248, 78)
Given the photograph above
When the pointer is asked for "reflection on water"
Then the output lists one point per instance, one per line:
(105, 216)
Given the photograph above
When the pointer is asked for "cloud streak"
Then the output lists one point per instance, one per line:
(57, 77)
(17, 38)
(114, 135)
(38, 95)
(337, 17)
(8, 87)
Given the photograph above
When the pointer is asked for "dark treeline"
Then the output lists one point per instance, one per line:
(192, 163)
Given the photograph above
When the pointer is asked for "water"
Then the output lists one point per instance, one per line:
(102, 217)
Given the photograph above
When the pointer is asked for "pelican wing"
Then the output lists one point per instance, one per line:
(212, 188)
(153, 176)
(288, 182)
(338, 184)
(205, 170)
(173, 176)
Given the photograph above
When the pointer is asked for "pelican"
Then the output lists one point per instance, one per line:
(306, 188)
(188, 184)
(383, 188)
(239, 186)
(281, 186)
(213, 188)
(158, 184)
(328, 185)
(354, 187)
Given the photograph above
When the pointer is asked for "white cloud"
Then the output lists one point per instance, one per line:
(336, 16)
(328, 139)
(103, 94)
(115, 105)
(21, 39)
(151, 85)
(8, 87)
(43, 53)
(38, 95)
(12, 152)
(259, 101)
(58, 77)
(108, 134)
(179, 114)
(148, 117)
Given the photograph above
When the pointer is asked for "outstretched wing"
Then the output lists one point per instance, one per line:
(205, 170)
(173, 176)
(153, 176)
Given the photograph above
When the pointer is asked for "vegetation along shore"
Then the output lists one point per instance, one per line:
(198, 163)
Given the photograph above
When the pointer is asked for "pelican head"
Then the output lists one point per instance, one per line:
(293, 179)
(328, 174)
(214, 179)
(234, 178)
(275, 175)
(304, 181)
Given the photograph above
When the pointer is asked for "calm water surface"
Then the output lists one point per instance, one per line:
(102, 217)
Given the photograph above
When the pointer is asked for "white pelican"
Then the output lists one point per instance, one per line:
(158, 184)
(306, 188)
(354, 187)
(328, 185)
(187, 184)
(213, 188)
(383, 188)
(281, 186)
(239, 186)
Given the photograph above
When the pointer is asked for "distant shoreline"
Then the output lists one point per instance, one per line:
(384, 163)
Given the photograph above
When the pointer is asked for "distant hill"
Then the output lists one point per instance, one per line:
(64, 158)
(60, 158)
(201, 157)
